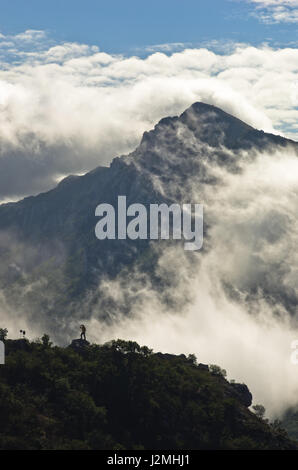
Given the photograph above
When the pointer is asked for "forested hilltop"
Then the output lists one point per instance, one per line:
(123, 396)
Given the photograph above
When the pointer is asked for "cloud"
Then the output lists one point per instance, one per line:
(276, 11)
(30, 35)
(69, 107)
(167, 47)
(270, 3)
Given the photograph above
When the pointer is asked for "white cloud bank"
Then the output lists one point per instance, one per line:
(70, 107)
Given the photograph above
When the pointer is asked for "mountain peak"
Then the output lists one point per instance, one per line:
(210, 112)
(207, 124)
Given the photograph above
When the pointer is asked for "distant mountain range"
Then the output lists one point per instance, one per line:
(50, 257)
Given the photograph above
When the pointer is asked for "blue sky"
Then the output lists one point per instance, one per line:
(129, 26)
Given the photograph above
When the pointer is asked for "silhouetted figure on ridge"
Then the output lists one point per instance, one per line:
(83, 332)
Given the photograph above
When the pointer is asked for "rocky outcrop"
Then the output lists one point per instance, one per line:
(242, 392)
(79, 344)
(203, 367)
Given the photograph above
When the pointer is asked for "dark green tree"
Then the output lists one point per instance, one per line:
(216, 370)
(3, 334)
(46, 341)
(259, 410)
